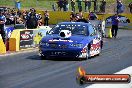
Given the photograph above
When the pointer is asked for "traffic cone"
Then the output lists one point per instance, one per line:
(109, 33)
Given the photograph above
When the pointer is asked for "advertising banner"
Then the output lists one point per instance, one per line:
(26, 39)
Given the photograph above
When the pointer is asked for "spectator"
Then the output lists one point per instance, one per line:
(12, 19)
(2, 24)
(115, 22)
(65, 5)
(95, 5)
(79, 5)
(31, 19)
(53, 7)
(24, 16)
(130, 6)
(80, 15)
(73, 5)
(77, 17)
(19, 13)
(46, 18)
(19, 20)
(87, 5)
(13, 12)
(92, 16)
(120, 7)
(102, 6)
(60, 5)
(72, 16)
(39, 19)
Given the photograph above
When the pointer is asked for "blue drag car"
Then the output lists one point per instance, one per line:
(71, 39)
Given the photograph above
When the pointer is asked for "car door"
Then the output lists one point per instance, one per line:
(95, 38)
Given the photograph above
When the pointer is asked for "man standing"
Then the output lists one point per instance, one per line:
(95, 5)
(79, 5)
(73, 5)
(2, 24)
(115, 22)
(65, 5)
(102, 6)
(120, 7)
(60, 4)
(32, 19)
(46, 18)
(87, 5)
(130, 6)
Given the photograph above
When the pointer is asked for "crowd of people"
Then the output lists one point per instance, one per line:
(29, 19)
(79, 16)
(98, 5)
(64, 5)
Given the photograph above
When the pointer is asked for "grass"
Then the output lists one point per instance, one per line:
(45, 4)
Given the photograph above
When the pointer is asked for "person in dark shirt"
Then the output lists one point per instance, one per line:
(60, 4)
(65, 4)
(115, 22)
(95, 5)
(31, 19)
(2, 24)
(120, 7)
(92, 16)
(73, 5)
(87, 5)
(72, 16)
(102, 6)
(79, 2)
(130, 6)
(46, 18)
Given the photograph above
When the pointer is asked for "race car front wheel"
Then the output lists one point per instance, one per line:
(88, 52)
(41, 55)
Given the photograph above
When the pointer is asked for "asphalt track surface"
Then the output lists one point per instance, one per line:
(27, 70)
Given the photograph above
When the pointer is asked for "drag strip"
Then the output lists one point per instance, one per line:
(27, 70)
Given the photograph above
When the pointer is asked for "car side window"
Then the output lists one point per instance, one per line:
(91, 30)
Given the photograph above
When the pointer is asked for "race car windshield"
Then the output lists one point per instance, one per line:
(75, 29)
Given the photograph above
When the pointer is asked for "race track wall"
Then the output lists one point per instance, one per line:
(60, 16)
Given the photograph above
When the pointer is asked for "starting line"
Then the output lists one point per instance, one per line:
(127, 70)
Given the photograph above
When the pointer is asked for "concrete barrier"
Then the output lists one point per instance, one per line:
(26, 38)
(60, 16)
(2, 46)
(14, 41)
